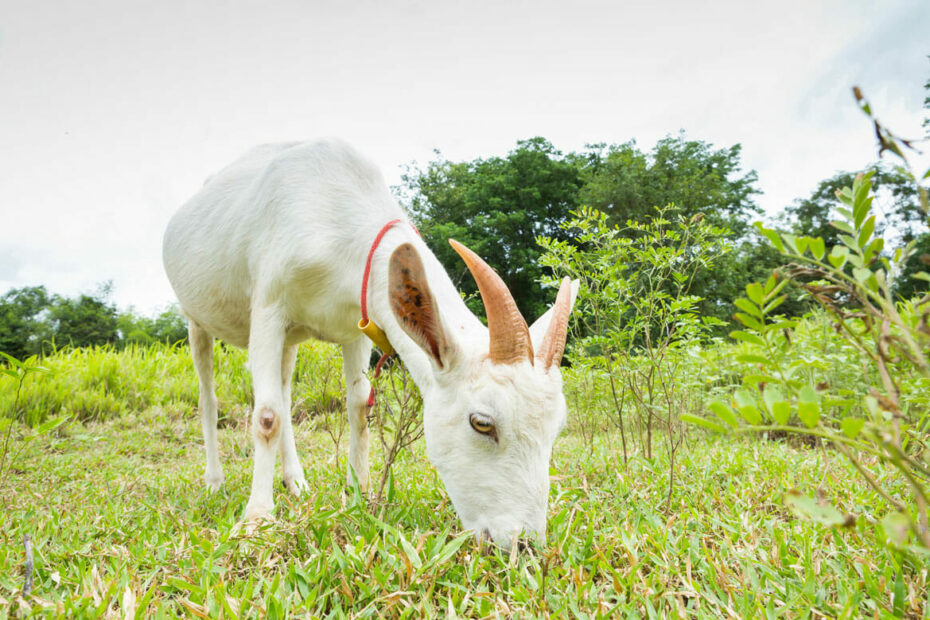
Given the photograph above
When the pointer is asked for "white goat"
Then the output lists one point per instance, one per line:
(271, 252)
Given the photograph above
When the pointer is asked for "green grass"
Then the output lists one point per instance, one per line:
(99, 383)
(121, 525)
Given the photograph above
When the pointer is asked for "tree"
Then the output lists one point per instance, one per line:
(703, 182)
(22, 315)
(497, 207)
(168, 327)
(84, 321)
(627, 184)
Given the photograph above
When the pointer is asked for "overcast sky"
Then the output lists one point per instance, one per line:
(113, 112)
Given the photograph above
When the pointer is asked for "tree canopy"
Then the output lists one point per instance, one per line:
(627, 184)
(501, 206)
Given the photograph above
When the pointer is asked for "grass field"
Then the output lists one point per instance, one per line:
(122, 526)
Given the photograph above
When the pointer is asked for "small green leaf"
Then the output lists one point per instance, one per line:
(817, 247)
(750, 322)
(861, 201)
(838, 256)
(755, 293)
(865, 233)
(751, 414)
(724, 413)
(748, 358)
(805, 506)
(809, 413)
(747, 337)
(770, 285)
(845, 195)
(791, 241)
(775, 303)
(773, 238)
(850, 242)
(52, 424)
(874, 248)
(842, 226)
(809, 406)
(771, 395)
(861, 274)
(746, 405)
(747, 306)
(809, 395)
(803, 242)
(851, 426)
(699, 421)
(897, 528)
(781, 411)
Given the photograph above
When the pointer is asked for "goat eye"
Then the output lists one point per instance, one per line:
(482, 424)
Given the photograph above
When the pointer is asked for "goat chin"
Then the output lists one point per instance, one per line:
(272, 251)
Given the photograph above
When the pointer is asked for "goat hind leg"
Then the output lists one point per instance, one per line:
(201, 344)
(266, 351)
(290, 463)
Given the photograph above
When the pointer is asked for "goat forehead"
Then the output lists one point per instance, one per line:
(531, 400)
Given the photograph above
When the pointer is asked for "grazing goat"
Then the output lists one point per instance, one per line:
(272, 251)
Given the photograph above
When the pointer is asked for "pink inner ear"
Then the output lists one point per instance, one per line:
(413, 304)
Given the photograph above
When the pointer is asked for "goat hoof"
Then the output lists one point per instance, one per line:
(258, 512)
(296, 485)
(214, 480)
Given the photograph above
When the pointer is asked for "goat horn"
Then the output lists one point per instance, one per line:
(510, 337)
(553, 344)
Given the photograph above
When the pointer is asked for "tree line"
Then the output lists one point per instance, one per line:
(35, 322)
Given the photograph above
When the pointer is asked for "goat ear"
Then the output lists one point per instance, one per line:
(414, 306)
(539, 328)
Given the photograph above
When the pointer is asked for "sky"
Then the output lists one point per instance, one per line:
(113, 112)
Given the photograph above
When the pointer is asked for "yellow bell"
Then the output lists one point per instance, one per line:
(376, 335)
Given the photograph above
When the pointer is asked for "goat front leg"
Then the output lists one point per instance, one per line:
(290, 463)
(355, 361)
(266, 350)
(202, 352)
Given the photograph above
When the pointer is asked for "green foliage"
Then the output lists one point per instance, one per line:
(626, 183)
(881, 419)
(83, 321)
(701, 180)
(498, 206)
(22, 315)
(897, 206)
(17, 371)
(638, 314)
(32, 322)
(168, 327)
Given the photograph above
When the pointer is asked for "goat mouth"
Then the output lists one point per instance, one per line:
(521, 543)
